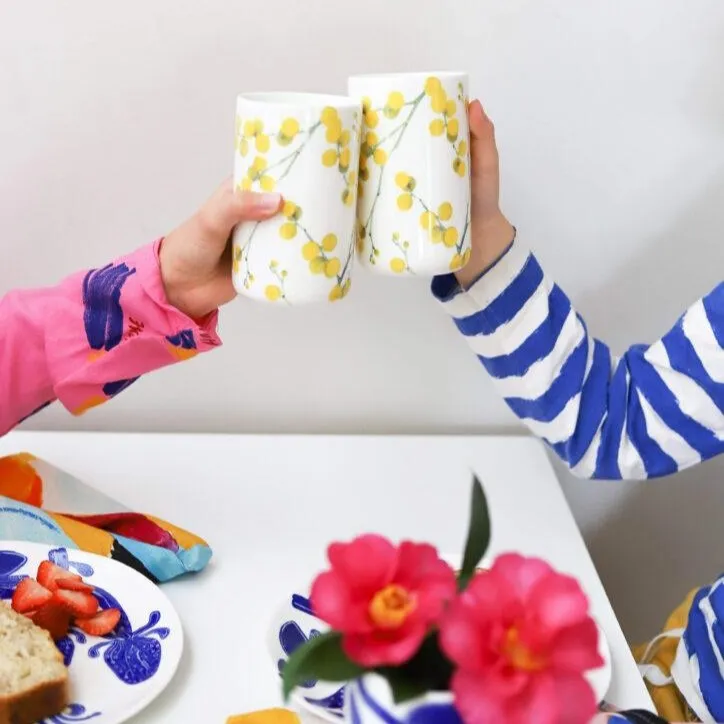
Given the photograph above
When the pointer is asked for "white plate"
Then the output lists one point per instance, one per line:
(294, 623)
(114, 677)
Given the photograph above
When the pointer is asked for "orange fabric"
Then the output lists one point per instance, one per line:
(265, 716)
(85, 536)
(19, 481)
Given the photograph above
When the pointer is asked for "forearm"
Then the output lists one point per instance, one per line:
(25, 382)
(532, 344)
(605, 417)
(91, 336)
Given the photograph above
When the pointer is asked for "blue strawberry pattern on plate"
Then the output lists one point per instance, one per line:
(112, 677)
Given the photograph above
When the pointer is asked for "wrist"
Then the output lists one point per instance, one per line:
(490, 240)
(179, 294)
(178, 299)
(190, 302)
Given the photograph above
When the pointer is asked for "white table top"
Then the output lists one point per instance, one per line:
(269, 505)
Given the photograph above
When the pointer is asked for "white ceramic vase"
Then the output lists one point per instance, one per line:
(306, 147)
(414, 197)
(369, 701)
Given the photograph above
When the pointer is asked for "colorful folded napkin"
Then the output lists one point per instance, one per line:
(40, 503)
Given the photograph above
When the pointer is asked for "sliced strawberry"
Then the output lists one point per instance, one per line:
(53, 618)
(73, 584)
(77, 603)
(29, 595)
(49, 574)
(101, 624)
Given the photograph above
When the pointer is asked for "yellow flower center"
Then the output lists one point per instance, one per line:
(391, 606)
(518, 655)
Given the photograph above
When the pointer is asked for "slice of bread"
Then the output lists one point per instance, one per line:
(33, 678)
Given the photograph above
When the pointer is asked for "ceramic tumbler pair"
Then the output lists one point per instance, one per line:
(382, 174)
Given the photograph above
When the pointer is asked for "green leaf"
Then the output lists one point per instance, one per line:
(478, 535)
(427, 670)
(319, 658)
(405, 686)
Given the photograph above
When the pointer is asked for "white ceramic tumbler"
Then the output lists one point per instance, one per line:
(413, 210)
(306, 147)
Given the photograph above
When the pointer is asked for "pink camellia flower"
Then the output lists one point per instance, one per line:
(521, 639)
(382, 598)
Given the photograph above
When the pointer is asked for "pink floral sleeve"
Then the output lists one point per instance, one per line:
(87, 339)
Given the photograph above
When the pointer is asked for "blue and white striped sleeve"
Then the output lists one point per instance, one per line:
(651, 412)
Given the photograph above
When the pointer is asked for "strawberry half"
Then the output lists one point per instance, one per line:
(29, 595)
(101, 624)
(53, 618)
(73, 584)
(49, 574)
(77, 603)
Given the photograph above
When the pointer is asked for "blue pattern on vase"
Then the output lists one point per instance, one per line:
(10, 563)
(74, 713)
(373, 705)
(434, 714)
(363, 708)
(354, 711)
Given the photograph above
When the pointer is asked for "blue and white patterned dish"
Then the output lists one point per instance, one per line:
(114, 677)
(293, 623)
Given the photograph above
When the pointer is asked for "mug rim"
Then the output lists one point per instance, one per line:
(414, 75)
(296, 100)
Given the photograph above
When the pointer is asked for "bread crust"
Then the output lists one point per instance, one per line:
(47, 699)
(41, 702)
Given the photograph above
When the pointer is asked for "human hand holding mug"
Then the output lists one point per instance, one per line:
(491, 231)
(196, 256)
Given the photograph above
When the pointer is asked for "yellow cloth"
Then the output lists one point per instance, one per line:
(670, 704)
(265, 716)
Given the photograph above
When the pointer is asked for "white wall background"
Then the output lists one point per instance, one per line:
(116, 121)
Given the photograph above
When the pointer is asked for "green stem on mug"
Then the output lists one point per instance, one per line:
(294, 155)
(463, 236)
(248, 279)
(400, 132)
